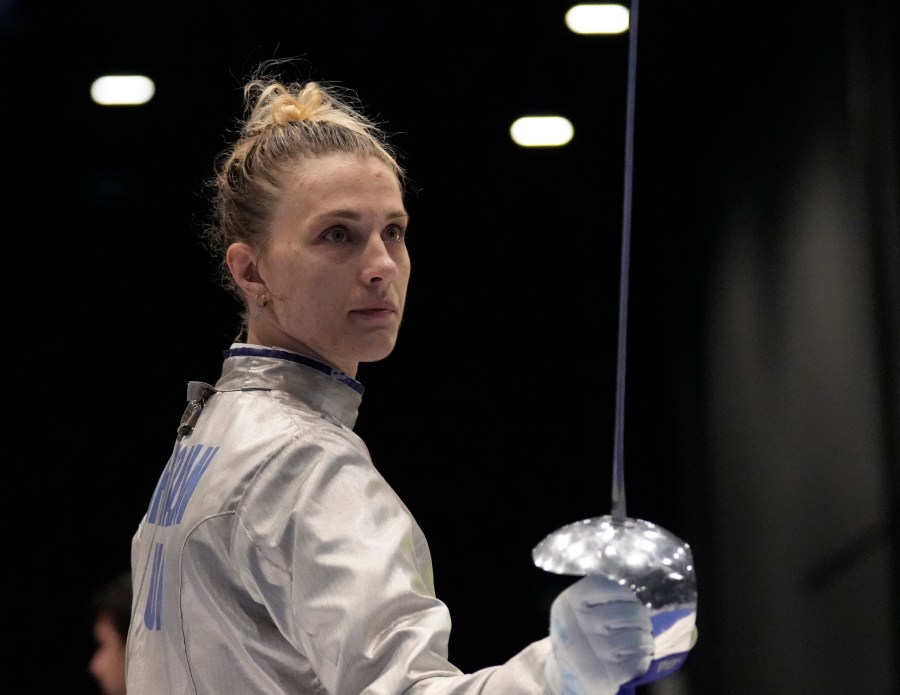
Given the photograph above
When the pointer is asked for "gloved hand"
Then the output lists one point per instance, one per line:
(601, 636)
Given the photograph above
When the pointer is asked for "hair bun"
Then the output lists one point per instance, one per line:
(286, 113)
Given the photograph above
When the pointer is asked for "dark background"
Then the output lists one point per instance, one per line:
(762, 391)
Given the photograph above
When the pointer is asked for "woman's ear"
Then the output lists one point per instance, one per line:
(244, 270)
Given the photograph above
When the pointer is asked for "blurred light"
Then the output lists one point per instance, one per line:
(121, 90)
(541, 131)
(597, 19)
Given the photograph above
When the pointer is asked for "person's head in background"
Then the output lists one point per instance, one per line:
(110, 614)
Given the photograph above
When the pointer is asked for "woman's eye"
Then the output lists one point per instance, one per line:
(395, 233)
(336, 234)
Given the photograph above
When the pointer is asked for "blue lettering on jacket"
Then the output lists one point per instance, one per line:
(153, 609)
(177, 484)
(170, 499)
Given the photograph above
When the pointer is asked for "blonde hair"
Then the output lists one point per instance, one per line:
(284, 123)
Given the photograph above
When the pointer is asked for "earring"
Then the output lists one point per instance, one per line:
(261, 301)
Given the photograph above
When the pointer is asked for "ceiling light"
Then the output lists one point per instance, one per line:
(541, 131)
(122, 90)
(597, 19)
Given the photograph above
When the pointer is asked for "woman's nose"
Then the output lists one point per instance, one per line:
(379, 264)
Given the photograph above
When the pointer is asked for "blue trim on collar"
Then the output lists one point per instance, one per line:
(275, 353)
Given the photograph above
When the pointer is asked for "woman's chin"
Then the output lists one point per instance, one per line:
(377, 350)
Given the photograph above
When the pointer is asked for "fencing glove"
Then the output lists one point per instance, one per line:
(601, 636)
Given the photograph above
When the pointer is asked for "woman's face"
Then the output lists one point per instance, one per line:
(336, 268)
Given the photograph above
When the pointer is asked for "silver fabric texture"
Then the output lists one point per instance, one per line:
(274, 557)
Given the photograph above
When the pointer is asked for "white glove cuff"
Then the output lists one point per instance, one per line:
(551, 673)
(559, 687)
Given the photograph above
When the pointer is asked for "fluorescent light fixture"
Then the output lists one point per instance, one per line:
(597, 19)
(541, 131)
(122, 90)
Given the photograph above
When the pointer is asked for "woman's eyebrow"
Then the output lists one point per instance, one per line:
(353, 215)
